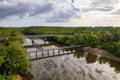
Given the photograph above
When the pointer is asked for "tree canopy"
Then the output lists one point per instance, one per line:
(13, 57)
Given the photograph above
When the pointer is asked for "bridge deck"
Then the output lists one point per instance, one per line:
(41, 36)
(60, 48)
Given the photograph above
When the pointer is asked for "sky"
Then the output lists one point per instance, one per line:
(19, 13)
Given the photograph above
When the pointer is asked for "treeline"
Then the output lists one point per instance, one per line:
(48, 30)
(13, 57)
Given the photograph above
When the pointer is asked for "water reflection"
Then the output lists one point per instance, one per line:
(112, 63)
(92, 58)
(79, 54)
(116, 65)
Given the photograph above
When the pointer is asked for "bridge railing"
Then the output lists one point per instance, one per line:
(39, 54)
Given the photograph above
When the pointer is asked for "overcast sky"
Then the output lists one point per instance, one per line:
(60, 12)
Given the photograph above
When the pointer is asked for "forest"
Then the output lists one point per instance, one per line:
(13, 57)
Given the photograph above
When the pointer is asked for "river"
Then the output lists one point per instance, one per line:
(78, 66)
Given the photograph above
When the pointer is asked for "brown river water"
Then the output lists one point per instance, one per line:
(77, 66)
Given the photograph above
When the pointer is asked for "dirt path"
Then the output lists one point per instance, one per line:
(101, 52)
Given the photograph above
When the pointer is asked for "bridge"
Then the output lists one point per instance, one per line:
(39, 36)
(42, 36)
(41, 53)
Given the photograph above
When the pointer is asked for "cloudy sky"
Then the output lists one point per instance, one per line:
(60, 12)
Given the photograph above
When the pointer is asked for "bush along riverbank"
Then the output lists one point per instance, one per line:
(13, 57)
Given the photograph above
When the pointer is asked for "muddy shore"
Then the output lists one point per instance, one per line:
(101, 52)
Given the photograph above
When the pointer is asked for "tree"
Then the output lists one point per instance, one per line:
(92, 40)
(118, 49)
(1, 60)
(110, 47)
(18, 56)
(78, 38)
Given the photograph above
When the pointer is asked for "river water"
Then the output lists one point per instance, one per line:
(77, 66)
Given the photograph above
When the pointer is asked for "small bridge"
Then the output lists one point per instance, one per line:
(42, 36)
(39, 36)
(41, 54)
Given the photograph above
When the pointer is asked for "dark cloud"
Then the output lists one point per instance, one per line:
(1, 0)
(47, 7)
(105, 8)
(104, 2)
(116, 12)
(22, 8)
(19, 9)
(62, 16)
(101, 5)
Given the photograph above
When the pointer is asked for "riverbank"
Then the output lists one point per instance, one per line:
(101, 52)
(19, 77)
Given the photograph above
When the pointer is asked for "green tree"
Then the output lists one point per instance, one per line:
(110, 47)
(1, 60)
(78, 38)
(118, 49)
(18, 56)
(92, 40)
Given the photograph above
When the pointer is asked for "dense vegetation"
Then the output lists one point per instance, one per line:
(13, 57)
(103, 37)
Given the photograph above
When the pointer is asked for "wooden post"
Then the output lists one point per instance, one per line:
(48, 52)
(53, 52)
(36, 54)
(63, 51)
(58, 51)
(33, 42)
(42, 53)
(29, 55)
(44, 40)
